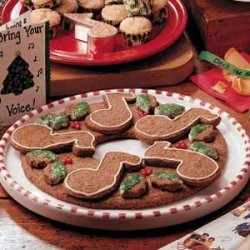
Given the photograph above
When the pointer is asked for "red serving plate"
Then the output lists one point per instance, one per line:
(66, 49)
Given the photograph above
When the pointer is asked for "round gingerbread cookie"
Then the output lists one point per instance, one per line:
(185, 153)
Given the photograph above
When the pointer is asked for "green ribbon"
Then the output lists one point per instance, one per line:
(207, 56)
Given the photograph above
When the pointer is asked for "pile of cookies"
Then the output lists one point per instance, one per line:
(133, 18)
(185, 152)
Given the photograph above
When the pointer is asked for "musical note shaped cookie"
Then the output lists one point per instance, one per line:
(35, 136)
(153, 128)
(91, 183)
(192, 167)
(116, 118)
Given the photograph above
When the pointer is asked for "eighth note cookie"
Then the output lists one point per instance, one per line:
(40, 137)
(96, 183)
(192, 167)
(160, 127)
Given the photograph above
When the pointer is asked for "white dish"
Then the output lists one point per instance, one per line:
(234, 177)
(245, 1)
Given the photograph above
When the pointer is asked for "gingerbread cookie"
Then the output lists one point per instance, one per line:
(56, 122)
(55, 172)
(41, 158)
(95, 183)
(205, 149)
(192, 167)
(153, 128)
(167, 173)
(202, 132)
(133, 186)
(166, 180)
(33, 136)
(170, 110)
(79, 111)
(116, 118)
(146, 103)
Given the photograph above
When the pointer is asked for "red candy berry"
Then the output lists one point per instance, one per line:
(76, 125)
(142, 113)
(67, 160)
(146, 172)
(181, 144)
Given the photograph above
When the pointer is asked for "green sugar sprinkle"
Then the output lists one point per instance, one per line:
(204, 149)
(170, 110)
(143, 102)
(80, 111)
(44, 120)
(196, 130)
(130, 182)
(54, 121)
(59, 121)
(167, 175)
(44, 154)
(58, 170)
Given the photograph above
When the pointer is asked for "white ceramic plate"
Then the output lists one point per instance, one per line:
(234, 177)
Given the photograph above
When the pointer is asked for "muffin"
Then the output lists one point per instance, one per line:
(138, 7)
(107, 2)
(39, 4)
(159, 12)
(135, 30)
(91, 5)
(113, 14)
(67, 6)
(44, 15)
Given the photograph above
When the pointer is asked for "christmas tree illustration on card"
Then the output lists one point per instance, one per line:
(19, 78)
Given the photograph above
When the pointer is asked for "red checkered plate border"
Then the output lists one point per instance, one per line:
(191, 208)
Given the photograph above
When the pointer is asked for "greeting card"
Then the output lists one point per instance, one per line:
(24, 70)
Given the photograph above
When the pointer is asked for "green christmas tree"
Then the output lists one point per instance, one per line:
(19, 77)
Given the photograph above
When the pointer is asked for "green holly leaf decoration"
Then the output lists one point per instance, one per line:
(79, 112)
(130, 182)
(169, 110)
(143, 102)
(204, 149)
(196, 130)
(167, 175)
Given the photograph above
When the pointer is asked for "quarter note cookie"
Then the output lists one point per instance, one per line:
(116, 118)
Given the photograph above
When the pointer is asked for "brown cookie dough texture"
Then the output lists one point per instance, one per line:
(96, 183)
(38, 162)
(137, 190)
(192, 167)
(90, 183)
(165, 183)
(116, 118)
(153, 128)
(34, 136)
(207, 135)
